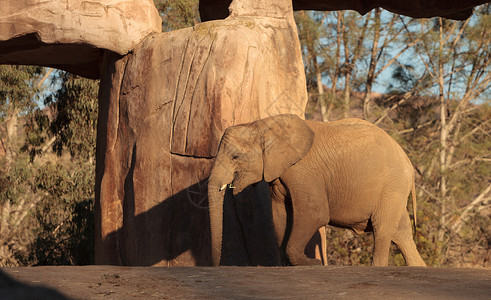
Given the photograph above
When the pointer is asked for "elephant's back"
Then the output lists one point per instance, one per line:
(362, 154)
(358, 134)
(350, 128)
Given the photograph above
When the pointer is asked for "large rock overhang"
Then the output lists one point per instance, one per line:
(73, 34)
(80, 59)
(451, 9)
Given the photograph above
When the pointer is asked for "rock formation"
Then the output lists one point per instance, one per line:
(72, 35)
(165, 116)
(454, 9)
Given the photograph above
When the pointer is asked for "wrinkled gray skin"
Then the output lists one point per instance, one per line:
(347, 173)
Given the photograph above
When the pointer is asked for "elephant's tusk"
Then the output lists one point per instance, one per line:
(230, 186)
(223, 187)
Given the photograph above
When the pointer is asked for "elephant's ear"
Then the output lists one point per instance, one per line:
(286, 139)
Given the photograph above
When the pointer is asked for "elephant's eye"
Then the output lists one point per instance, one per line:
(235, 156)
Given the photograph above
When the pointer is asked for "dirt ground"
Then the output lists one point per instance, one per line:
(109, 282)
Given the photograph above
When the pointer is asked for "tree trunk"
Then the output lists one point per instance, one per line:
(350, 60)
(443, 139)
(320, 91)
(347, 73)
(346, 94)
(312, 56)
(335, 76)
(11, 140)
(371, 68)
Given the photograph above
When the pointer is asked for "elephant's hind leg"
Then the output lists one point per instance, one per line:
(404, 240)
(381, 249)
(384, 228)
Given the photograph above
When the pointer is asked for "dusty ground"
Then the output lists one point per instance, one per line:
(109, 282)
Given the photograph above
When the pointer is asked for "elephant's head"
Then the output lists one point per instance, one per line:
(249, 153)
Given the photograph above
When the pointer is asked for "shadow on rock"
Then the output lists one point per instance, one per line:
(180, 231)
(11, 289)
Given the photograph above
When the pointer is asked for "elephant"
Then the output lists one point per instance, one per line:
(347, 173)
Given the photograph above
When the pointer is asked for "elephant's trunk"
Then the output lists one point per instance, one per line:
(216, 192)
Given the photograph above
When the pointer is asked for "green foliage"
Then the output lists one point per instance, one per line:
(74, 126)
(177, 14)
(46, 199)
(65, 215)
(16, 182)
(37, 133)
(17, 88)
(347, 248)
(50, 213)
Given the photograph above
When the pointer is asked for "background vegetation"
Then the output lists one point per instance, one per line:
(47, 132)
(426, 82)
(433, 80)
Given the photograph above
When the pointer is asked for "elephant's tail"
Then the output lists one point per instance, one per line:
(413, 195)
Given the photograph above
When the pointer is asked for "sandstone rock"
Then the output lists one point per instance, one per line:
(70, 34)
(455, 9)
(165, 107)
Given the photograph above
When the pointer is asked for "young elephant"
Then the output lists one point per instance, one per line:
(347, 173)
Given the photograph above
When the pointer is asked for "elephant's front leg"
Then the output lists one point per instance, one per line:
(310, 211)
(280, 216)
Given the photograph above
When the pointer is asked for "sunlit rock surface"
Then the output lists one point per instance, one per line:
(72, 34)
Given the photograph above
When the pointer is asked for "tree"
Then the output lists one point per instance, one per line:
(309, 33)
(448, 94)
(342, 44)
(456, 58)
(383, 50)
(65, 212)
(332, 45)
(436, 107)
(177, 14)
(17, 91)
(47, 196)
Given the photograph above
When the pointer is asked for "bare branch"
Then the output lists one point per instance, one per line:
(3, 145)
(48, 144)
(457, 226)
(390, 62)
(388, 110)
(430, 194)
(468, 161)
(40, 83)
(417, 127)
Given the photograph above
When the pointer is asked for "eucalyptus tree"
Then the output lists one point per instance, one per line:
(18, 89)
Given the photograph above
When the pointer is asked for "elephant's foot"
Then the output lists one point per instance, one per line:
(312, 262)
(305, 261)
(404, 240)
